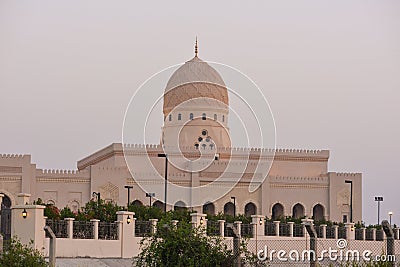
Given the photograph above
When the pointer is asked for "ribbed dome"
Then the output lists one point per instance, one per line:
(194, 79)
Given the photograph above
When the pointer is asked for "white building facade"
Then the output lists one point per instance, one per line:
(196, 116)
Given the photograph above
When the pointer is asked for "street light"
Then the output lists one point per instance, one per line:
(390, 217)
(97, 195)
(128, 187)
(378, 199)
(351, 198)
(150, 195)
(161, 155)
(234, 206)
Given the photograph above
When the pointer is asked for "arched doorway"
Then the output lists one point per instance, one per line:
(209, 208)
(6, 218)
(277, 211)
(250, 209)
(229, 208)
(180, 205)
(298, 211)
(158, 204)
(137, 203)
(318, 212)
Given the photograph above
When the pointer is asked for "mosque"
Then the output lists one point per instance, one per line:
(202, 168)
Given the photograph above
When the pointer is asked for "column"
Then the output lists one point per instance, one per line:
(373, 233)
(350, 231)
(199, 220)
(174, 223)
(153, 223)
(335, 231)
(31, 226)
(363, 229)
(221, 228)
(291, 229)
(70, 227)
(277, 223)
(323, 230)
(258, 221)
(238, 226)
(95, 223)
(127, 226)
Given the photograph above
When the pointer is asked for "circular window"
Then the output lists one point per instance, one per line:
(204, 132)
(200, 139)
(208, 139)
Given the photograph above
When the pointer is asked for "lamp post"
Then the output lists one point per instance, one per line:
(128, 187)
(351, 198)
(97, 195)
(161, 155)
(390, 217)
(379, 200)
(234, 206)
(150, 195)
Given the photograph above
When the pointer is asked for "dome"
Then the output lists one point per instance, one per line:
(194, 79)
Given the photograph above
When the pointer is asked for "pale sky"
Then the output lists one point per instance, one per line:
(330, 71)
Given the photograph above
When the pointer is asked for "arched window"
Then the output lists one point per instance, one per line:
(196, 146)
(179, 116)
(204, 146)
(180, 205)
(191, 116)
(209, 208)
(158, 204)
(170, 117)
(204, 117)
(137, 203)
(318, 212)
(215, 117)
(229, 208)
(298, 211)
(277, 211)
(223, 118)
(250, 209)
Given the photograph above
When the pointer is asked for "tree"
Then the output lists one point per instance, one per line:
(17, 255)
(182, 245)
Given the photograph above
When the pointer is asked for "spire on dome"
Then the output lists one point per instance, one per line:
(196, 48)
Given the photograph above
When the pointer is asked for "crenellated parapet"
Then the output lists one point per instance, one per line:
(348, 174)
(11, 156)
(322, 179)
(66, 176)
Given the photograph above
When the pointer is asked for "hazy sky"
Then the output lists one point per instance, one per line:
(330, 71)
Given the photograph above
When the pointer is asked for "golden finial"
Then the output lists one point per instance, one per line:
(196, 48)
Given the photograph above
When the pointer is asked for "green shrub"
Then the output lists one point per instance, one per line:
(20, 255)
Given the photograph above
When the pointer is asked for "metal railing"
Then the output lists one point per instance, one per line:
(82, 230)
(330, 232)
(284, 229)
(342, 233)
(228, 232)
(269, 229)
(359, 234)
(319, 230)
(108, 231)
(369, 234)
(379, 235)
(142, 228)
(213, 228)
(298, 230)
(59, 227)
(246, 230)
